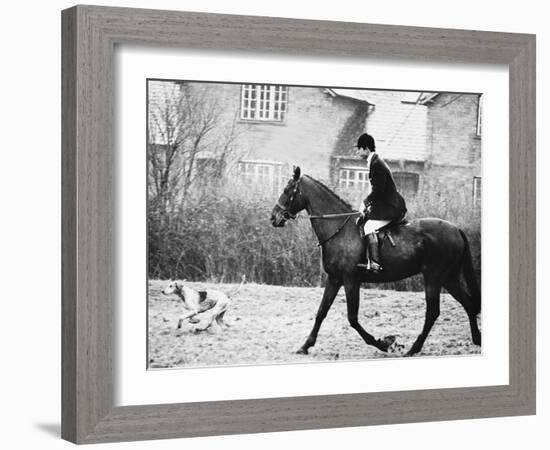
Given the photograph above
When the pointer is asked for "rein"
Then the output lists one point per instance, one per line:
(320, 244)
(329, 216)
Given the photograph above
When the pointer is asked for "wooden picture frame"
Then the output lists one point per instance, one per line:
(90, 34)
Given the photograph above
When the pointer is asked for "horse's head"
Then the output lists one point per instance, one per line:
(290, 203)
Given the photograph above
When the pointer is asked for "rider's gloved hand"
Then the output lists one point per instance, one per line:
(361, 217)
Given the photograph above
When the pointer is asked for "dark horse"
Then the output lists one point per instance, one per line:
(436, 248)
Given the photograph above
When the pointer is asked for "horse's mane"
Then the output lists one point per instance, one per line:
(329, 191)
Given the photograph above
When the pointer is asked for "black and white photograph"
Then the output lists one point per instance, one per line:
(275, 225)
(295, 224)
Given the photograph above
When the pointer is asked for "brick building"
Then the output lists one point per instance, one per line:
(430, 140)
(454, 143)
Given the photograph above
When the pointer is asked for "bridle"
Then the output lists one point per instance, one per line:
(284, 210)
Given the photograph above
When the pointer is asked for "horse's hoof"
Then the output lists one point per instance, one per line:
(394, 347)
(386, 343)
(302, 351)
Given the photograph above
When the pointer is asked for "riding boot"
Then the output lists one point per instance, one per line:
(372, 255)
(372, 245)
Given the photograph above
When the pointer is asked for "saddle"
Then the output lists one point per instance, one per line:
(384, 233)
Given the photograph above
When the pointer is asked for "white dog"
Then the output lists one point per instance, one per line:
(197, 302)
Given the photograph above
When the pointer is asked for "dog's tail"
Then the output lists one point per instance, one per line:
(235, 292)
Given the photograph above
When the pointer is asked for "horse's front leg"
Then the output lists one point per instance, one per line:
(331, 289)
(352, 301)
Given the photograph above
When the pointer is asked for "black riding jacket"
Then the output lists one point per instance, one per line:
(383, 201)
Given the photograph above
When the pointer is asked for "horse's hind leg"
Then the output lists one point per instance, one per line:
(456, 289)
(433, 291)
(352, 301)
(331, 289)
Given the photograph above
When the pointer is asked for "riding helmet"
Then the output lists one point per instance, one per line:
(366, 141)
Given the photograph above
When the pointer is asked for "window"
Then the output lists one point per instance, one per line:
(353, 178)
(261, 174)
(479, 115)
(476, 193)
(264, 102)
(406, 182)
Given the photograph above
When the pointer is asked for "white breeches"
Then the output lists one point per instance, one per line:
(372, 225)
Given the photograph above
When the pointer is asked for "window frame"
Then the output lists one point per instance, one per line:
(270, 103)
(259, 176)
(479, 115)
(356, 183)
(477, 190)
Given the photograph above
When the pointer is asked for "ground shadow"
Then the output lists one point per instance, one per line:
(53, 429)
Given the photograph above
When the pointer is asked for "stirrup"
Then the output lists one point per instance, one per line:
(375, 267)
(371, 266)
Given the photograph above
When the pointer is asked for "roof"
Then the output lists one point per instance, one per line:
(355, 94)
(398, 121)
(370, 96)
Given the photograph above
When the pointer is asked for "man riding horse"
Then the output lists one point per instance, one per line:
(433, 247)
(383, 203)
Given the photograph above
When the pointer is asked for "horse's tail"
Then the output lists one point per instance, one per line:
(469, 274)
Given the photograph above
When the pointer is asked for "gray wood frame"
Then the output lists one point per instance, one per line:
(89, 36)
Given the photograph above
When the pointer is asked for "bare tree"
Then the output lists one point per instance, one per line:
(185, 122)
